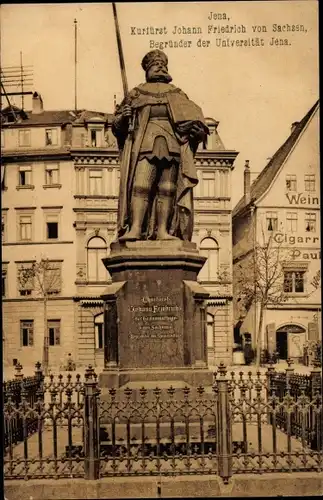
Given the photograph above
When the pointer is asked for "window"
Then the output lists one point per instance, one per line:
(25, 280)
(310, 222)
(3, 177)
(208, 184)
(25, 175)
(26, 333)
(24, 138)
(271, 221)
(96, 251)
(291, 183)
(291, 222)
(210, 330)
(4, 282)
(54, 331)
(95, 182)
(112, 181)
(209, 249)
(294, 281)
(94, 138)
(51, 137)
(309, 180)
(51, 174)
(53, 278)
(98, 325)
(25, 227)
(52, 227)
(3, 226)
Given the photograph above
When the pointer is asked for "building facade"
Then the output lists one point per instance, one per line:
(282, 208)
(60, 181)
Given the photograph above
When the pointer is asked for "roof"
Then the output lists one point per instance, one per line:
(268, 174)
(60, 117)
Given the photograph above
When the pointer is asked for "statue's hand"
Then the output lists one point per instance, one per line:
(126, 111)
(197, 132)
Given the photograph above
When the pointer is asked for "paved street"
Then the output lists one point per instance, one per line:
(9, 372)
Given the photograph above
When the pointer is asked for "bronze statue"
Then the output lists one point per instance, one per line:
(158, 131)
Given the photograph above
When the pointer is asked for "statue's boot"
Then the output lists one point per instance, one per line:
(164, 208)
(139, 207)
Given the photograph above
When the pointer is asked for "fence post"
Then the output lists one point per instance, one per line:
(18, 369)
(270, 374)
(38, 372)
(91, 425)
(316, 417)
(224, 431)
(289, 371)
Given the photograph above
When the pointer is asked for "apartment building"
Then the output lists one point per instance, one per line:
(283, 203)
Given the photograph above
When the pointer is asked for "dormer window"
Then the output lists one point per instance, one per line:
(24, 138)
(51, 137)
(94, 138)
(96, 132)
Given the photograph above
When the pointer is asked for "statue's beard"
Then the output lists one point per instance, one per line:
(163, 77)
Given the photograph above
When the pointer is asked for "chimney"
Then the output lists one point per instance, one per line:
(246, 182)
(37, 103)
(294, 125)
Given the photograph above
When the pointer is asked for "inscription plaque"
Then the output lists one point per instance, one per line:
(155, 318)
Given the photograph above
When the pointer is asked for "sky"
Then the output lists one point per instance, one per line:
(255, 93)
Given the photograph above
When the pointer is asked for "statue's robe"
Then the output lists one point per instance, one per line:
(141, 99)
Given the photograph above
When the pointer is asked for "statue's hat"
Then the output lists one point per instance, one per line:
(152, 57)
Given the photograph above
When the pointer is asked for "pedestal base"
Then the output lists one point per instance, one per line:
(155, 320)
(152, 378)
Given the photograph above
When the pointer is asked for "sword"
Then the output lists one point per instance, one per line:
(123, 209)
(121, 61)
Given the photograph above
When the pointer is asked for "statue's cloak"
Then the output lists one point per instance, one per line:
(141, 99)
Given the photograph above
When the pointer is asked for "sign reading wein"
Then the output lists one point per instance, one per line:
(300, 199)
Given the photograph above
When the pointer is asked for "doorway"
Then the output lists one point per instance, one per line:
(281, 345)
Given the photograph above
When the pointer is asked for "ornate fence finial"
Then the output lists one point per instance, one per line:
(90, 375)
(316, 362)
(289, 362)
(222, 369)
(38, 366)
(18, 368)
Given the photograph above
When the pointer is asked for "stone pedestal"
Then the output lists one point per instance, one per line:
(155, 328)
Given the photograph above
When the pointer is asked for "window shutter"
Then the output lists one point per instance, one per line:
(31, 335)
(57, 335)
(271, 337)
(313, 333)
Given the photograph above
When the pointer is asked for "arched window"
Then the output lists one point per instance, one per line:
(98, 325)
(209, 249)
(96, 251)
(210, 330)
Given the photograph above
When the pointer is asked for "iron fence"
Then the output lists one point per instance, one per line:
(244, 423)
(14, 393)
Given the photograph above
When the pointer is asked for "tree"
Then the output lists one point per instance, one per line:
(44, 279)
(259, 280)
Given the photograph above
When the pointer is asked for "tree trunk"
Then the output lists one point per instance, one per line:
(46, 339)
(261, 319)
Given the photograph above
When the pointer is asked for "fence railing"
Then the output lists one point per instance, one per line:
(244, 423)
(16, 391)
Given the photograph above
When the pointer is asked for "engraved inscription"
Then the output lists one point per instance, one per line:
(155, 318)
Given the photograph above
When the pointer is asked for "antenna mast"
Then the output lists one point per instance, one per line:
(75, 64)
(16, 81)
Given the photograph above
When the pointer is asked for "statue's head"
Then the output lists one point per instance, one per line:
(155, 65)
